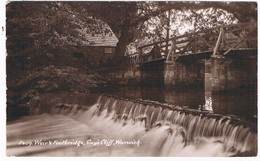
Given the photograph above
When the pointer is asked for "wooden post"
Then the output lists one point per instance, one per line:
(168, 55)
(171, 52)
(168, 30)
(218, 42)
(173, 49)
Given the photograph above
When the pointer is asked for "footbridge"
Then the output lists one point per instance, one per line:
(218, 59)
(222, 40)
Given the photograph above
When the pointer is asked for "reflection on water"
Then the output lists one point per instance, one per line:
(242, 103)
(208, 104)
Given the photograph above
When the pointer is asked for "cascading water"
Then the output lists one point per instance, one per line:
(117, 127)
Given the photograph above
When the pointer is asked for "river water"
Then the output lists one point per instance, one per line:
(241, 103)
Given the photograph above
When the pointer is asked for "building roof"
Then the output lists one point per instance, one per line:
(105, 37)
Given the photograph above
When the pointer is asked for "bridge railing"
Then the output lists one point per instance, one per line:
(221, 38)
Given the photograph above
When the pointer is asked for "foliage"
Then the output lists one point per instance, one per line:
(181, 22)
(45, 33)
(48, 80)
(132, 21)
(60, 24)
(62, 78)
(38, 26)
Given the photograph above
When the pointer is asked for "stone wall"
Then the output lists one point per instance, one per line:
(124, 75)
(94, 55)
(230, 74)
(184, 74)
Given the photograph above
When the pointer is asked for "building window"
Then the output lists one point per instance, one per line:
(108, 50)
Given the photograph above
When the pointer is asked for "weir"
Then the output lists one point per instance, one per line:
(147, 128)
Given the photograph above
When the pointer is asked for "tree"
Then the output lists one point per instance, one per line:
(127, 18)
(40, 32)
(155, 29)
(44, 24)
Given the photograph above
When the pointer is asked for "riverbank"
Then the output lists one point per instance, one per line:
(48, 80)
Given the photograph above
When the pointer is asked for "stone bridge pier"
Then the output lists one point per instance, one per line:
(217, 74)
(230, 74)
(184, 74)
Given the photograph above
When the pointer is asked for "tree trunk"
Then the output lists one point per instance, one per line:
(125, 38)
(120, 49)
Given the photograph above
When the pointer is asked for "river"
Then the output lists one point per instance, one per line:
(94, 125)
(241, 103)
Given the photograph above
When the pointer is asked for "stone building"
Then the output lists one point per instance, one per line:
(99, 47)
